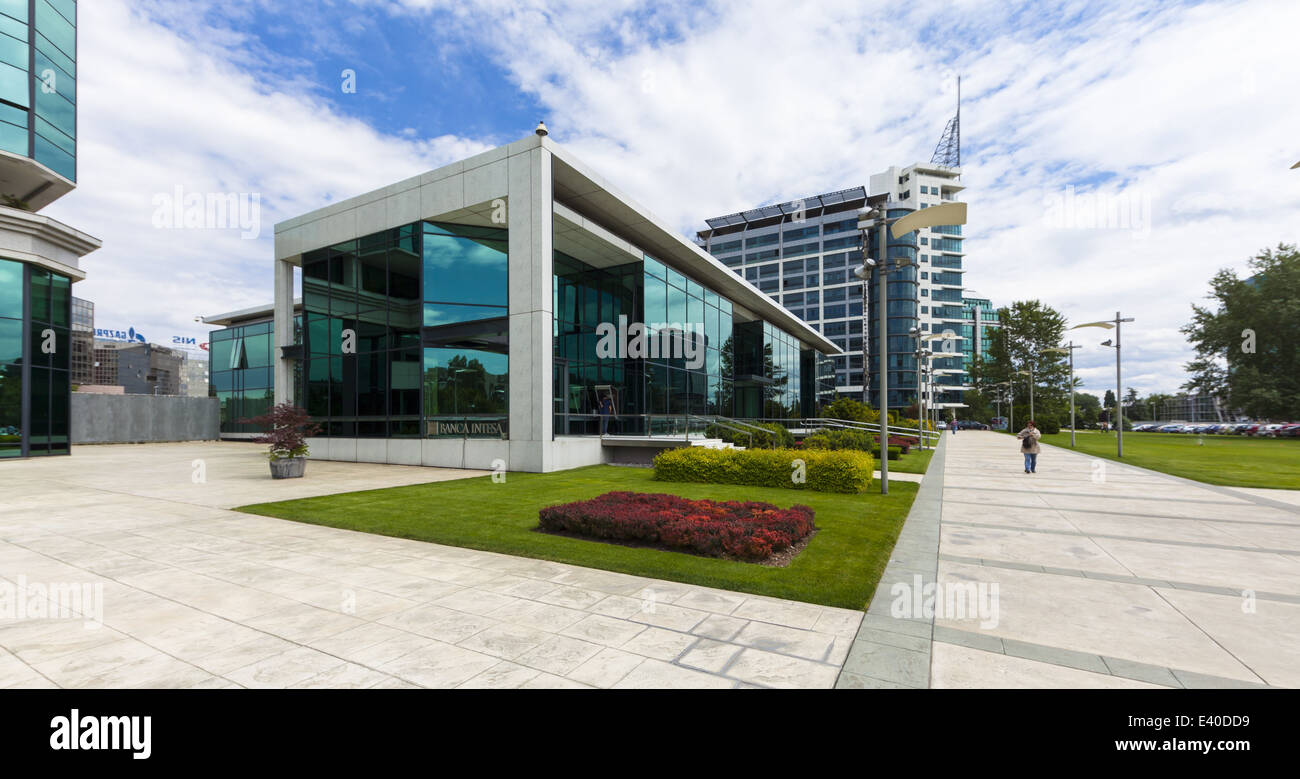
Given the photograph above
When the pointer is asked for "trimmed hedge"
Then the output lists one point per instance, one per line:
(843, 471)
(746, 530)
(859, 440)
(775, 435)
(840, 439)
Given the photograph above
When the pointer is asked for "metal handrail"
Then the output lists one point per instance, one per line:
(718, 421)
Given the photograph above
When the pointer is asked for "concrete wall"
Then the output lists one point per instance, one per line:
(480, 453)
(123, 419)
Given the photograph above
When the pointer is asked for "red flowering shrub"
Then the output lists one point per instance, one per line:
(746, 530)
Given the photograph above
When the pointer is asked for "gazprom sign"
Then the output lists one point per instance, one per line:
(120, 335)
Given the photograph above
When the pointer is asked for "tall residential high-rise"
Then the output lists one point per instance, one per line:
(802, 254)
(39, 257)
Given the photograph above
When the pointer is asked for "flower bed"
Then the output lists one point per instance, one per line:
(749, 531)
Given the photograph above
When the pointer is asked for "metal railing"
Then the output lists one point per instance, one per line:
(683, 426)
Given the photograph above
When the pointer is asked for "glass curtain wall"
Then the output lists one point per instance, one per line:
(12, 294)
(902, 314)
(405, 333)
(38, 82)
(723, 368)
(584, 296)
(241, 372)
(35, 360)
(466, 366)
(685, 384)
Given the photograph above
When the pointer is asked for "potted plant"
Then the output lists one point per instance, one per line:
(288, 427)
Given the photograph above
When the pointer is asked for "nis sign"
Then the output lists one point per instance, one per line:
(131, 335)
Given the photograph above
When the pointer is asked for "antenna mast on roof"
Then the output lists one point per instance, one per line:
(948, 152)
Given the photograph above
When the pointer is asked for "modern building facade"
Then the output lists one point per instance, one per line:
(139, 368)
(39, 257)
(83, 342)
(979, 320)
(241, 366)
(939, 266)
(477, 315)
(802, 254)
(195, 377)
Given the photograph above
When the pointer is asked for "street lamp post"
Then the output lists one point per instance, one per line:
(1068, 349)
(1115, 324)
(877, 215)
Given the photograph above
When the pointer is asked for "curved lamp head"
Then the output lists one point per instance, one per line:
(942, 214)
(1107, 325)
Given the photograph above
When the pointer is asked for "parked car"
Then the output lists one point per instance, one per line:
(1269, 431)
(1289, 431)
(1170, 428)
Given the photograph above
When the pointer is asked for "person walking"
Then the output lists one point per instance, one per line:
(1029, 446)
(952, 422)
(606, 412)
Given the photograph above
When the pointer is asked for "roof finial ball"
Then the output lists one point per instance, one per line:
(541, 129)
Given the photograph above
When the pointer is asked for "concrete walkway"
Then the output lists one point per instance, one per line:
(1106, 575)
(196, 595)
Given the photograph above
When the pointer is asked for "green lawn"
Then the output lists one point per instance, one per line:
(1231, 461)
(915, 461)
(840, 567)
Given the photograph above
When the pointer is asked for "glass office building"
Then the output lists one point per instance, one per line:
(803, 252)
(35, 358)
(38, 82)
(239, 373)
(407, 337)
(39, 257)
(478, 315)
(979, 320)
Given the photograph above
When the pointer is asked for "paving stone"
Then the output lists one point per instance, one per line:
(889, 663)
(1054, 655)
(1142, 672)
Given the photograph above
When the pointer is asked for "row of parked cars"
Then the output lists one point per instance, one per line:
(1259, 429)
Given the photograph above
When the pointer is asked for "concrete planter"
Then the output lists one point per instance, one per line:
(288, 468)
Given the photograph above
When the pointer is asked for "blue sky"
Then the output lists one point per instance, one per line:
(1178, 112)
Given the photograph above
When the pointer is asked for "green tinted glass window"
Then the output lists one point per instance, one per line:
(15, 8)
(11, 289)
(57, 29)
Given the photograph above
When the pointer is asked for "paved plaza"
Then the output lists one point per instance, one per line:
(1107, 575)
(196, 595)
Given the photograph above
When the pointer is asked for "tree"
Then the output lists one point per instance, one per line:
(1087, 408)
(1028, 329)
(1109, 401)
(1248, 349)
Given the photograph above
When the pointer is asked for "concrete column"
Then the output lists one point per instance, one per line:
(283, 333)
(529, 217)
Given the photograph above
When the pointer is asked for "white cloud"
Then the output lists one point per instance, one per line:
(1182, 108)
(701, 110)
(157, 113)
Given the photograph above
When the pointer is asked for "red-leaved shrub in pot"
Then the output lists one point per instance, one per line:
(746, 530)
